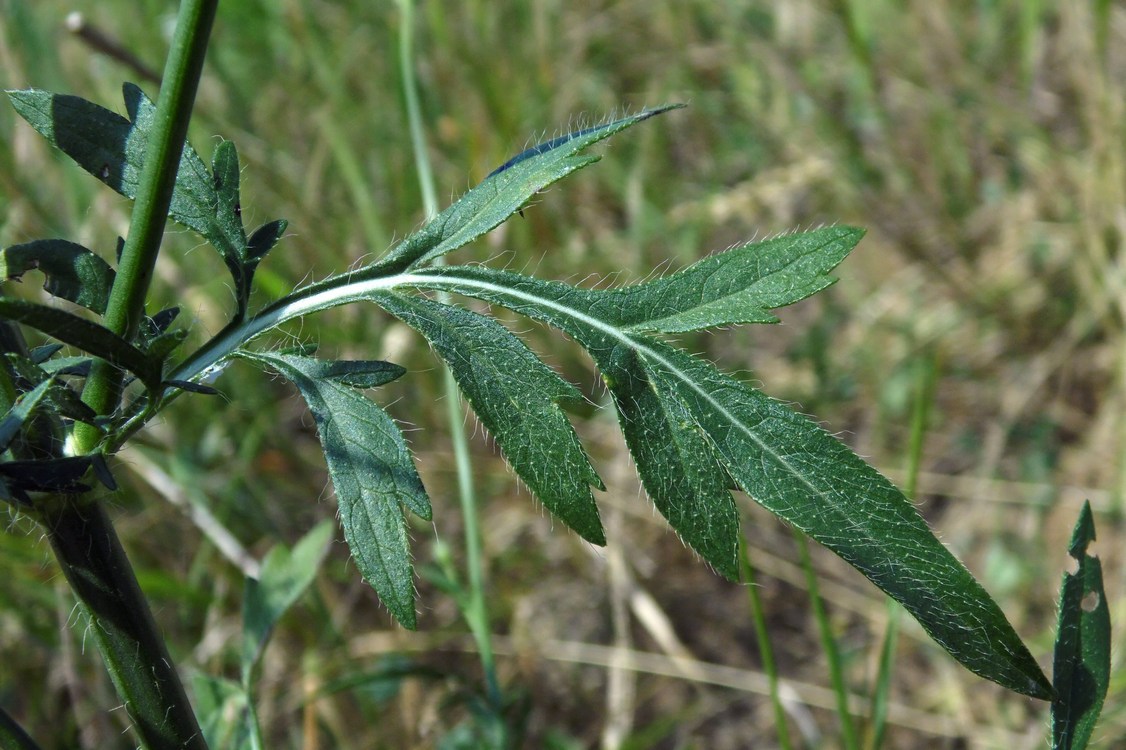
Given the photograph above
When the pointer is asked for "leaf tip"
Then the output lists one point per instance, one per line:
(1083, 534)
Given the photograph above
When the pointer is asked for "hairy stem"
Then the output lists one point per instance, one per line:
(126, 305)
(121, 624)
(80, 532)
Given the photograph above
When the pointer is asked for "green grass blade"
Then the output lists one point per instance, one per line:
(829, 647)
(765, 648)
(372, 473)
(1081, 666)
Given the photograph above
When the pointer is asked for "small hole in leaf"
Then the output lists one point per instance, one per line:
(1090, 602)
(238, 209)
(103, 173)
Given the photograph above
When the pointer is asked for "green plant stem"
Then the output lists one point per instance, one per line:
(475, 610)
(80, 532)
(829, 645)
(121, 624)
(126, 305)
(766, 651)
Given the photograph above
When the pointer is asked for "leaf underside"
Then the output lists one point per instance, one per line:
(372, 474)
(692, 429)
(516, 396)
(694, 432)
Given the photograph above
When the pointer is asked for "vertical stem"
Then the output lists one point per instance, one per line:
(136, 658)
(475, 609)
(126, 304)
(79, 530)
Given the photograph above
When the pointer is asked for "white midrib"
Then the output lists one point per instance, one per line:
(205, 362)
(623, 337)
(459, 283)
(213, 355)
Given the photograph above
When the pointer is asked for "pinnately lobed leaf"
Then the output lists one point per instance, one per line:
(112, 148)
(694, 432)
(690, 427)
(371, 470)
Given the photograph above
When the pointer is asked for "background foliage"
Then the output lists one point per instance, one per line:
(982, 145)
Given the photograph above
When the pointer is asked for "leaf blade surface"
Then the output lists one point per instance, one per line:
(516, 396)
(798, 471)
(372, 474)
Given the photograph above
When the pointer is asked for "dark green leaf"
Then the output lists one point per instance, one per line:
(73, 272)
(63, 402)
(78, 366)
(87, 336)
(41, 354)
(163, 344)
(372, 473)
(784, 461)
(189, 386)
(226, 231)
(152, 327)
(20, 412)
(356, 373)
(265, 238)
(677, 464)
(1081, 665)
(516, 396)
(68, 404)
(55, 475)
(740, 285)
(504, 192)
(228, 208)
(112, 148)
(102, 472)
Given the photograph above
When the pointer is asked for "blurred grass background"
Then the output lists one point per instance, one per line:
(983, 146)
